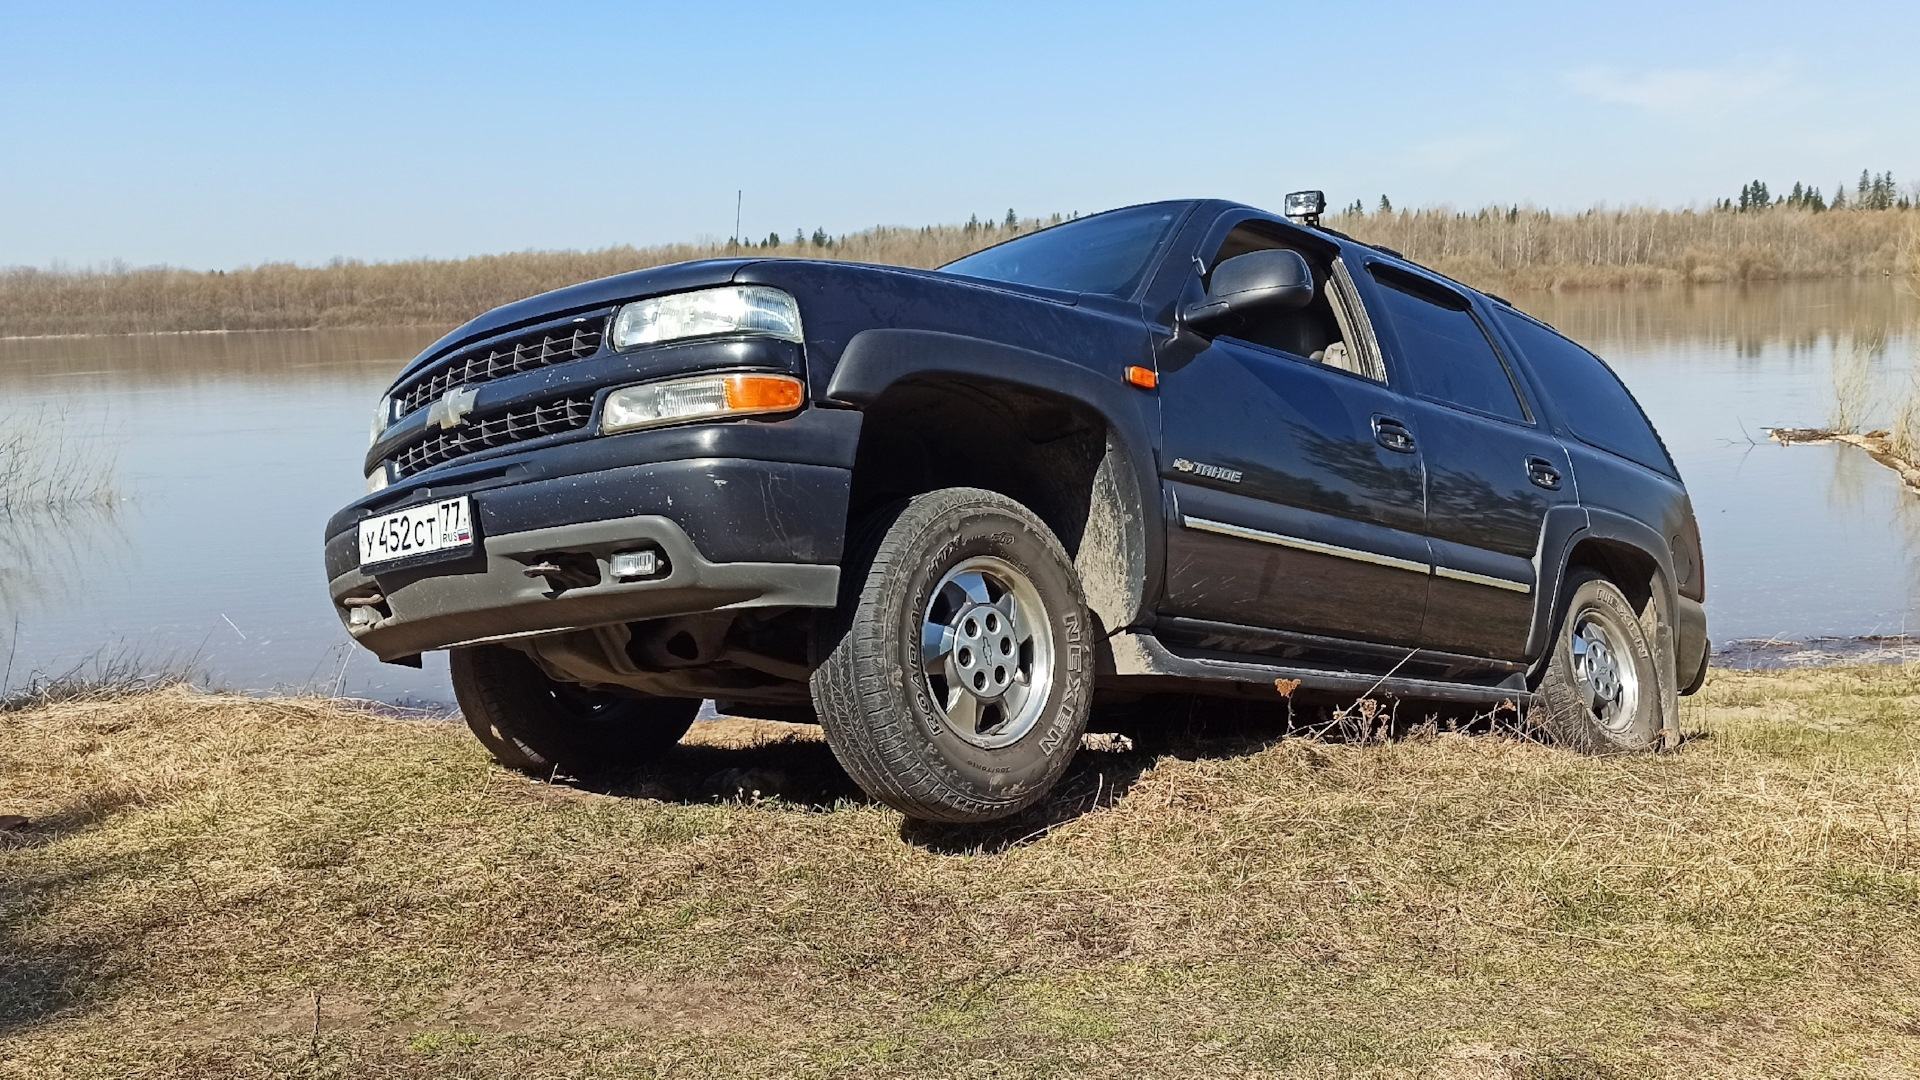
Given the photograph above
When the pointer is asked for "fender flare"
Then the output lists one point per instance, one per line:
(1126, 498)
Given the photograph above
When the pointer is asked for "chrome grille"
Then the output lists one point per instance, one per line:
(518, 425)
(501, 359)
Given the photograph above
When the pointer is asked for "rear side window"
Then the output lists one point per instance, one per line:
(1446, 353)
(1588, 394)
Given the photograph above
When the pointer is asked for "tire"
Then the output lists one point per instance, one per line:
(541, 726)
(953, 681)
(1602, 690)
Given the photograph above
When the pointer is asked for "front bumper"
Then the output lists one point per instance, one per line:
(499, 600)
(731, 533)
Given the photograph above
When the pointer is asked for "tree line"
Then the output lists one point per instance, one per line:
(1873, 191)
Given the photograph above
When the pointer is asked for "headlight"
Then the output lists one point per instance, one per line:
(691, 399)
(382, 416)
(734, 309)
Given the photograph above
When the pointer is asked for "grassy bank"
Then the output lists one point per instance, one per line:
(222, 887)
(1508, 250)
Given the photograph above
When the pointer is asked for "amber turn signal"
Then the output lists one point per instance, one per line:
(762, 393)
(1144, 378)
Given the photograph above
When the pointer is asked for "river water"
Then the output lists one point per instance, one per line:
(229, 451)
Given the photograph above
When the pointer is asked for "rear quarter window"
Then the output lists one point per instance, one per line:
(1592, 400)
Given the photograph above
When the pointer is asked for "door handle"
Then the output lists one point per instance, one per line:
(1543, 474)
(1392, 434)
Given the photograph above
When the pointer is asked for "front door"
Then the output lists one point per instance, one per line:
(1293, 473)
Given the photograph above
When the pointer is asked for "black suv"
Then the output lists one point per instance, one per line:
(1186, 446)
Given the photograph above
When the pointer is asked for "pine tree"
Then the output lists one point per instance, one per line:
(1883, 191)
(1386, 206)
(1013, 220)
(820, 238)
(1839, 198)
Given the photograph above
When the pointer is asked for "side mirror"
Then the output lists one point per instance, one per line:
(1258, 282)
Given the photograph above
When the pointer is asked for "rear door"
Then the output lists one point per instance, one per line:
(1296, 488)
(1493, 470)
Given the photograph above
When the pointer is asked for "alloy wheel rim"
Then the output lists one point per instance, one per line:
(986, 652)
(1609, 681)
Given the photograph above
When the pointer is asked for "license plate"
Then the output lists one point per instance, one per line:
(433, 529)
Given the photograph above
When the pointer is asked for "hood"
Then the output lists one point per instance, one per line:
(587, 295)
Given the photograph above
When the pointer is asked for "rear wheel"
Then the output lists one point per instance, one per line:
(540, 725)
(1601, 691)
(954, 679)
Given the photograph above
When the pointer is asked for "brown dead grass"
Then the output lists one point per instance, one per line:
(206, 875)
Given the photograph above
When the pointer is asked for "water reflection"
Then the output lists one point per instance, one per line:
(1750, 322)
(1800, 541)
(232, 449)
(46, 556)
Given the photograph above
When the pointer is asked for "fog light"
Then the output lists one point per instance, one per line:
(630, 565)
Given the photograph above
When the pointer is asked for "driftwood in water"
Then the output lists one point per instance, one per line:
(1877, 444)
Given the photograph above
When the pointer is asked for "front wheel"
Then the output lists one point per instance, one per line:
(953, 681)
(1601, 689)
(541, 726)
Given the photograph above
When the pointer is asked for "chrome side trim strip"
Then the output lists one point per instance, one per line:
(1482, 579)
(1315, 546)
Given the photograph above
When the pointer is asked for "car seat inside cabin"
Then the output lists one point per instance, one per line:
(1318, 331)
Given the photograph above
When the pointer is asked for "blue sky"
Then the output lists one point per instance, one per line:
(207, 135)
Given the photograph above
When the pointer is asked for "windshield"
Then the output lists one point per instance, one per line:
(1106, 253)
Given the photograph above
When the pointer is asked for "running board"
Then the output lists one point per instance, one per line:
(1139, 653)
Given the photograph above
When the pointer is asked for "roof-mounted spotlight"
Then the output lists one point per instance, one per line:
(1306, 207)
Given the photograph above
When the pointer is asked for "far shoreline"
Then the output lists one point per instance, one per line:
(1501, 250)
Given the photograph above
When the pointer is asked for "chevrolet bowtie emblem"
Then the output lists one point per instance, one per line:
(451, 410)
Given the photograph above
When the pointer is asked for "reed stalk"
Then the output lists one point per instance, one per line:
(42, 470)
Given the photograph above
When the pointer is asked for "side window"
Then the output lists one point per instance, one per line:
(1595, 404)
(1322, 331)
(1448, 356)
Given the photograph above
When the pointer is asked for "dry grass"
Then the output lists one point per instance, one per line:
(43, 469)
(1518, 250)
(222, 887)
(1494, 248)
(1854, 394)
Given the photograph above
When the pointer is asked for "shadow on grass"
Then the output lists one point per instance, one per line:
(38, 982)
(41, 979)
(788, 762)
(1129, 741)
(748, 761)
